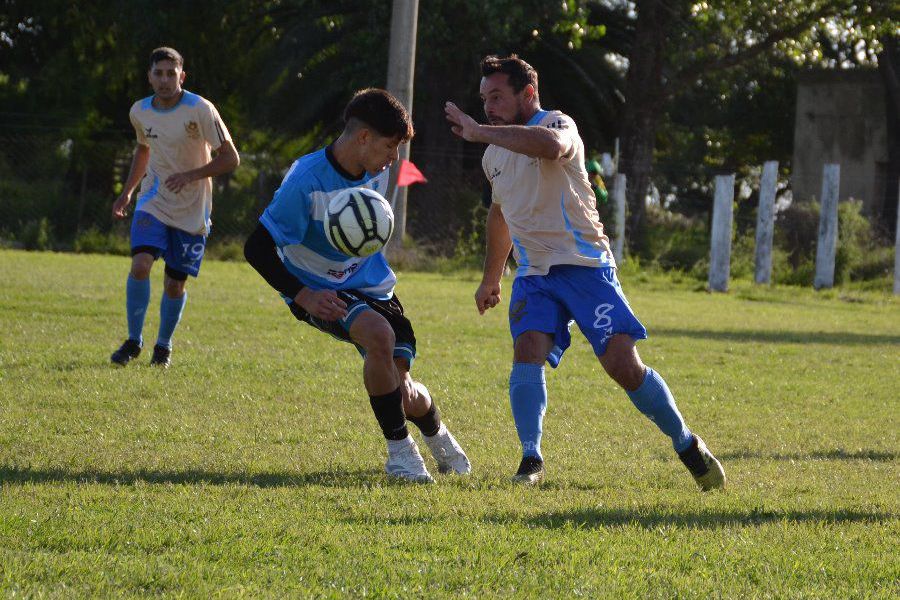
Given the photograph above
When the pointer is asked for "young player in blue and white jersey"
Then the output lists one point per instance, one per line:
(543, 208)
(350, 297)
(176, 132)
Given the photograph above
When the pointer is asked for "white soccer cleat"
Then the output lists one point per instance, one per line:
(406, 463)
(448, 453)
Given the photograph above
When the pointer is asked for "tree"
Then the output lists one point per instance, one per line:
(680, 44)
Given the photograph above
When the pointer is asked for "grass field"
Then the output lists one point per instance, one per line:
(253, 467)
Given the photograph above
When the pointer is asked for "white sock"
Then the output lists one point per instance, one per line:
(398, 445)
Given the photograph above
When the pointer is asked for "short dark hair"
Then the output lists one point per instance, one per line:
(379, 110)
(166, 53)
(520, 72)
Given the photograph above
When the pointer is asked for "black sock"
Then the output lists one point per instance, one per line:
(388, 410)
(430, 422)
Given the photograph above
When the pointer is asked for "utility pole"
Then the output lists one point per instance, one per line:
(401, 67)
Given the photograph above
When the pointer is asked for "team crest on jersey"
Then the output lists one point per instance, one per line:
(192, 129)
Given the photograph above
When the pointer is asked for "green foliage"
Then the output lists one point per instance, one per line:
(94, 241)
(36, 235)
(674, 241)
(470, 242)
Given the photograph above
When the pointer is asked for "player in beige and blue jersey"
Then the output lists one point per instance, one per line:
(543, 207)
(177, 131)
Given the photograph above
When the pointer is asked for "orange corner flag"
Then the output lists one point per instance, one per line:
(409, 174)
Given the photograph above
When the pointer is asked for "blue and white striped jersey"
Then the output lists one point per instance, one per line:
(295, 218)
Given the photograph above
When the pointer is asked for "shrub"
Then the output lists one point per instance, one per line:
(36, 235)
(94, 241)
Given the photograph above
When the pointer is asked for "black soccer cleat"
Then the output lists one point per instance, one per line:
(128, 350)
(531, 471)
(162, 357)
(705, 468)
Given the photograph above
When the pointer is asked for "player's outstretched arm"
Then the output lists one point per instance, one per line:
(259, 250)
(498, 245)
(138, 168)
(225, 161)
(534, 141)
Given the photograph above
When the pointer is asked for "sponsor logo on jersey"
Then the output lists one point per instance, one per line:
(148, 134)
(344, 273)
(192, 130)
(494, 174)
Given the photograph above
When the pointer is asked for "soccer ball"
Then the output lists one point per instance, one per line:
(359, 222)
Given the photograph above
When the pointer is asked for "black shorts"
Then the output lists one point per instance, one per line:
(391, 310)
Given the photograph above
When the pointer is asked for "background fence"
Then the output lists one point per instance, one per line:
(53, 179)
(57, 188)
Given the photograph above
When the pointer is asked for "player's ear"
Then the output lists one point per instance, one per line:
(363, 136)
(181, 79)
(529, 91)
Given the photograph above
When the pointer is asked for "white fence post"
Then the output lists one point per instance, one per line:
(828, 227)
(897, 249)
(720, 246)
(765, 222)
(619, 198)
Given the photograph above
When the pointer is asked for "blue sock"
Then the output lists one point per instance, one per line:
(528, 398)
(655, 400)
(137, 299)
(170, 310)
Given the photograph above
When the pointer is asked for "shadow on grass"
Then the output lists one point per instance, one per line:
(838, 454)
(835, 338)
(334, 479)
(713, 519)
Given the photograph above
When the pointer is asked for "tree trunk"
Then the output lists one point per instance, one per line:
(644, 101)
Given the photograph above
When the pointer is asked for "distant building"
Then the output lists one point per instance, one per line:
(845, 117)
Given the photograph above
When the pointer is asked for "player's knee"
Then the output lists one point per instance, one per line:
(141, 264)
(379, 343)
(174, 288)
(623, 365)
(532, 347)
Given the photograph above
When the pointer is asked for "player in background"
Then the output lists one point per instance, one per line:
(176, 132)
(350, 297)
(544, 208)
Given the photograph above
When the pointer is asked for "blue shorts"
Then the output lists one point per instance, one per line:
(589, 296)
(182, 251)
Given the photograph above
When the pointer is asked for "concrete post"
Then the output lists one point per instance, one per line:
(897, 251)
(765, 222)
(720, 245)
(619, 198)
(828, 227)
(401, 67)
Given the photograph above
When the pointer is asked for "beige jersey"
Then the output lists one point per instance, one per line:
(548, 205)
(180, 139)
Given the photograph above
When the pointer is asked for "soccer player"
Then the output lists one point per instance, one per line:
(349, 297)
(544, 208)
(176, 132)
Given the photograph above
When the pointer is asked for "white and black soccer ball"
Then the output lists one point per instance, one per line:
(359, 222)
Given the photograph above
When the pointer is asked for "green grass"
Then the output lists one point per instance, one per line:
(253, 467)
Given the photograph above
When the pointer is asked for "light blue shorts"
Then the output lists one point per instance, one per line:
(589, 296)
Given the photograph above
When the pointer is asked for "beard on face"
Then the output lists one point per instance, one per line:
(518, 119)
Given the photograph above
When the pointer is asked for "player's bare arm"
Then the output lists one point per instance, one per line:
(535, 141)
(498, 245)
(322, 304)
(138, 168)
(225, 161)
